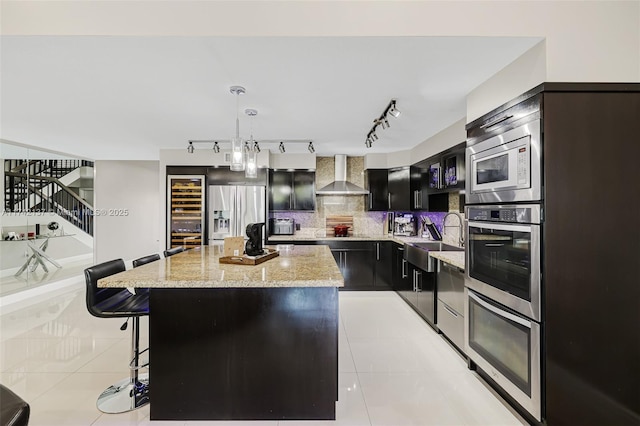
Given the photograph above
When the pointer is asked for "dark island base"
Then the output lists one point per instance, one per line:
(244, 354)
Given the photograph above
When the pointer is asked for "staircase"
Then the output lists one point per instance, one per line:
(37, 186)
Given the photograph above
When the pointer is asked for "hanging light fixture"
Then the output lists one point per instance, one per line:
(237, 151)
(251, 168)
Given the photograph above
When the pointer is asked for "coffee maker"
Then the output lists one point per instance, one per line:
(405, 225)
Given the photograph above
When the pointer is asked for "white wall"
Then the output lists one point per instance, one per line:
(586, 40)
(523, 74)
(131, 185)
(292, 161)
(441, 141)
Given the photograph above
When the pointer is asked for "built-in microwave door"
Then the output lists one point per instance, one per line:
(505, 168)
(506, 346)
(503, 263)
(502, 168)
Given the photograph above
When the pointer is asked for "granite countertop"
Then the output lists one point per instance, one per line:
(395, 238)
(455, 258)
(298, 266)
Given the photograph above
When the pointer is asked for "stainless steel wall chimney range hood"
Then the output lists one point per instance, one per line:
(340, 186)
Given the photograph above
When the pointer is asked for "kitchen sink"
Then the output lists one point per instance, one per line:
(436, 246)
(418, 253)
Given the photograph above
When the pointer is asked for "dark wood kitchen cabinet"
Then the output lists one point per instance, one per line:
(399, 270)
(292, 190)
(376, 181)
(383, 261)
(356, 262)
(399, 189)
(419, 178)
(418, 290)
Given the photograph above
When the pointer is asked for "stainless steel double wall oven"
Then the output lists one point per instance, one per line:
(503, 310)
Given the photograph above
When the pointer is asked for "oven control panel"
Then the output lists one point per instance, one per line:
(509, 214)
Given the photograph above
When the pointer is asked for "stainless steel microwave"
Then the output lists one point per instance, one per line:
(506, 167)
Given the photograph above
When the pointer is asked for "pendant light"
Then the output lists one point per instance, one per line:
(251, 168)
(237, 149)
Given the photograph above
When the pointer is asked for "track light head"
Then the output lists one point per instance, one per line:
(311, 148)
(281, 147)
(190, 148)
(393, 110)
(368, 143)
(256, 147)
(247, 148)
(374, 137)
(216, 147)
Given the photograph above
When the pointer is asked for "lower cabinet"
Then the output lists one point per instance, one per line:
(416, 286)
(365, 265)
(450, 305)
(357, 267)
(383, 269)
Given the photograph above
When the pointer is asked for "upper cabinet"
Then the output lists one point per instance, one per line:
(292, 190)
(399, 189)
(376, 181)
(446, 171)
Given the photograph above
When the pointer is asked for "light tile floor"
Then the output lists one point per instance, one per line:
(393, 368)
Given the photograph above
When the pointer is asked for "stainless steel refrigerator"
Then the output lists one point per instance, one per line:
(232, 208)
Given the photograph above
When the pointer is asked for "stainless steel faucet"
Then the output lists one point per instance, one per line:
(460, 228)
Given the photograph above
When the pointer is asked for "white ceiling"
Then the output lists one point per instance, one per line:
(116, 97)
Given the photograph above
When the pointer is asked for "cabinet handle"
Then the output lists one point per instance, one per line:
(370, 200)
(404, 264)
(494, 122)
(389, 200)
(451, 311)
(420, 200)
(418, 281)
(377, 251)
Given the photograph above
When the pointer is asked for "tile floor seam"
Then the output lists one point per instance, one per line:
(346, 336)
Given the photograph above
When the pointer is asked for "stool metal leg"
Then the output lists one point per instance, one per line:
(127, 394)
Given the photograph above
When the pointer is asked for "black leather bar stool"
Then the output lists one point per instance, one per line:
(133, 392)
(175, 250)
(146, 259)
(14, 411)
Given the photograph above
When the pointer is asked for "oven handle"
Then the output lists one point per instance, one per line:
(500, 312)
(501, 227)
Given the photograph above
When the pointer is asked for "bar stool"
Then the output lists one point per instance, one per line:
(14, 411)
(133, 392)
(146, 259)
(172, 251)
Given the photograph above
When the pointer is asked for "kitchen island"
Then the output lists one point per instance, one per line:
(240, 342)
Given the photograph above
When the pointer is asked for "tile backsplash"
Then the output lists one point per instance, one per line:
(373, 224)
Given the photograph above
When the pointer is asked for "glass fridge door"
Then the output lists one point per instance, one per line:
(186, 210)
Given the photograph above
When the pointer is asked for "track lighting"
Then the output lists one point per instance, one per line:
(281, 147)
(393, 110)
(256, 147)
(216, 148)
(311, 148)
(382, 121)
(190, 148)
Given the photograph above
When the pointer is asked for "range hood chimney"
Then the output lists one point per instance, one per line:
(340, 186)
